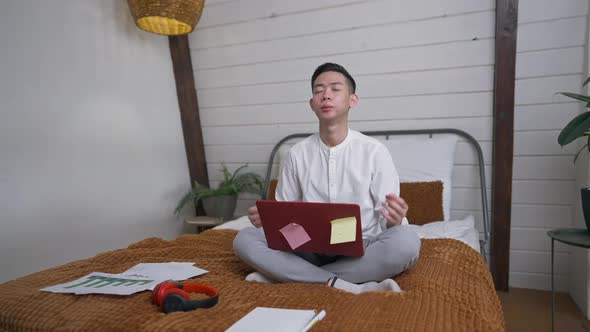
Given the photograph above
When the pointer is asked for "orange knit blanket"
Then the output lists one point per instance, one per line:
(449, 289)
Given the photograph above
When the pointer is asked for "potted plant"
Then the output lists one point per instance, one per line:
(576, 128)
(221, 202)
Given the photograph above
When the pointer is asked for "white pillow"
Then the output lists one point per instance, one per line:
(462, 230)
(237, 224)
(421, 158)
(452, 229)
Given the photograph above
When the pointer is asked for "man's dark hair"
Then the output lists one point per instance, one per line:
(328, 66)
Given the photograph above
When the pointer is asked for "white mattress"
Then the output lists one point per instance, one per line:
(462, 230)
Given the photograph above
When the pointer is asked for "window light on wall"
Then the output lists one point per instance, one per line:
(166, 17)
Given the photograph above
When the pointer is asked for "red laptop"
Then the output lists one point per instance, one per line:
(323, 228)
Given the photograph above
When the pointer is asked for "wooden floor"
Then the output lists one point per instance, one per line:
(530, 310)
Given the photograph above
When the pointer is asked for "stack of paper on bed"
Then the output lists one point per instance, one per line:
(264, 319)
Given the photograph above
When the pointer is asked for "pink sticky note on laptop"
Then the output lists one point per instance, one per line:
(295, 235)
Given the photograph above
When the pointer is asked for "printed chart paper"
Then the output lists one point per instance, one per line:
(165, 271)
(103, 283)
(141, 277)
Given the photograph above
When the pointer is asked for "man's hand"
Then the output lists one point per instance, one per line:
(394, 209)
(254, 216)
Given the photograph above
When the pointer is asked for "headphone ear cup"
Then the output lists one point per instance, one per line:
(174, 300)
(155, 293)
(158, 294)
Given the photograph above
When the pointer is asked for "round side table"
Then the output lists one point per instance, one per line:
(577, 237)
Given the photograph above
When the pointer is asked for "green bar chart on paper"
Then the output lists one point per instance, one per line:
(141, 277)
(103, 283)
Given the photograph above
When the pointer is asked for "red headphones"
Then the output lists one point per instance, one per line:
(170, 296)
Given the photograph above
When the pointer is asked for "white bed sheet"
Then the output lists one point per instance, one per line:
(462, 230)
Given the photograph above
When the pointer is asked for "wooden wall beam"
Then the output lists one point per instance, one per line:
(189, 109)
(504, 79)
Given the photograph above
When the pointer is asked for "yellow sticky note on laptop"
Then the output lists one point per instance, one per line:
(343, 230)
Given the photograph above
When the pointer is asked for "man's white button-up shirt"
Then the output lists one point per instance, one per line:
(359, 170)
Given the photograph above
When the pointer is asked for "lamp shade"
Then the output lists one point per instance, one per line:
(166, 17)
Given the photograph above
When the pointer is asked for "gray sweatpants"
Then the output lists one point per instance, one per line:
(386, 255)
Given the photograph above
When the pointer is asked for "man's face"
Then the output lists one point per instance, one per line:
(331, 98)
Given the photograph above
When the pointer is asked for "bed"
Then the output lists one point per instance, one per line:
(449, 289)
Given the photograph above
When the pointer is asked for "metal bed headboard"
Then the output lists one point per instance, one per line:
(386, 133)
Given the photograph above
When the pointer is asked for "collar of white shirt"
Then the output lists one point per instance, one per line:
(334, 149)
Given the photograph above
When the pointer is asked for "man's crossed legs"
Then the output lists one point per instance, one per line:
(390, 253)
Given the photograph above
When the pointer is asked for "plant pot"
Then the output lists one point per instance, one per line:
(220, 206)
(586, 206)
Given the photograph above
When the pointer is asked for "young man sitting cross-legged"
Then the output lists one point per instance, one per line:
(338, 165)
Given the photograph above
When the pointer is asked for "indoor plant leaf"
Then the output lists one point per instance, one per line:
(574, 129)
(576, 96)
(183, 201)
(236, 171)
(226, 174)
(582, 149)
(232, 184)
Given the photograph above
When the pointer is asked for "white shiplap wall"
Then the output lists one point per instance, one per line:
(418, 64)
(551, 52)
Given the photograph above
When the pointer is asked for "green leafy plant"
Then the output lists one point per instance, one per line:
(578, 126)
(232, 184)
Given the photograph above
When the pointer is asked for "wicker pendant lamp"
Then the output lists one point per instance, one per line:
(166, 17)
